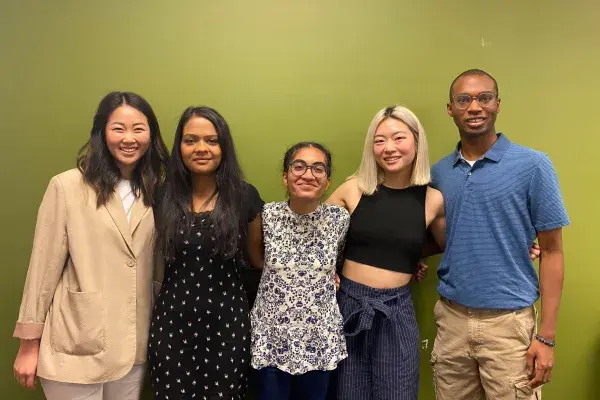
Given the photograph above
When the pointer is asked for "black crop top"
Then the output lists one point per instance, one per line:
(388, 230)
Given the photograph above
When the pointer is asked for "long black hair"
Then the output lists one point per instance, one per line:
(98, 166)
(174, 215)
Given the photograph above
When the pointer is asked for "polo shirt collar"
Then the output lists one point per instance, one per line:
(495, 153)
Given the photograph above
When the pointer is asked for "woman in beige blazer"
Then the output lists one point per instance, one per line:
(86, 307)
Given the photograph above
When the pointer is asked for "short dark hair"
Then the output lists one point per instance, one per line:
(291, 152)
(472, 72)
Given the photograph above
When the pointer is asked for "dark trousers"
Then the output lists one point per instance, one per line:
(276, 384)
(383, 344)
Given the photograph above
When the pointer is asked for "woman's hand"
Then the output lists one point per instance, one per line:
(534, 252)
(421, 271)
(26, 363)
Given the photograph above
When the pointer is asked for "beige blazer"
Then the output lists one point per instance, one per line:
(89, 289)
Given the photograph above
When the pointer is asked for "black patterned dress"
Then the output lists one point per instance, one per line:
(200, 332)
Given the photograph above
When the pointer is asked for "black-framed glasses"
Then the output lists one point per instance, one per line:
(318, 169)
(464, 100)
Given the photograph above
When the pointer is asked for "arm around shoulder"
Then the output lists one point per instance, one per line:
(341, 194)
(436, 216)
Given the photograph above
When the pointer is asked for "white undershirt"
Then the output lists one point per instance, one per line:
(471, 163)
(127, 196)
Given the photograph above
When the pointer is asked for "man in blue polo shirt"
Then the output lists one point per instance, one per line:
(499, 197)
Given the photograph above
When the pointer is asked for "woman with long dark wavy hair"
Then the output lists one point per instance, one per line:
(87, 302)
(207, 221)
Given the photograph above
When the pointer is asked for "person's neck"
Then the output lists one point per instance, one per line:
(398, 180)
(203, 187)
(301, 206)
(126, 172)
(474, 147)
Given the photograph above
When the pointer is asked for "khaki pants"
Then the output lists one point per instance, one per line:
(481, 354)
(128, 387)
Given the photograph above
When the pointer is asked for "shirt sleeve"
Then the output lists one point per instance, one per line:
(546, 204)
(48, 256)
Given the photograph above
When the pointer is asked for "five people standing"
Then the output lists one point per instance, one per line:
(135, 270)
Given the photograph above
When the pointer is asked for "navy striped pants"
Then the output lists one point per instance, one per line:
(383, 344)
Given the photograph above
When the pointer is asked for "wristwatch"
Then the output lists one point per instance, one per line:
(547, 342)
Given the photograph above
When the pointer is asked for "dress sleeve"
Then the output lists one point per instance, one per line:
(254, 203)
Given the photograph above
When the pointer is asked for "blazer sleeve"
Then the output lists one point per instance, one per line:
(48, 256)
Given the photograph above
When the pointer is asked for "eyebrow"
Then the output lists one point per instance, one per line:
(475, 93)
(123, 125)
(197, 135)
(316, 162)
(394, 133)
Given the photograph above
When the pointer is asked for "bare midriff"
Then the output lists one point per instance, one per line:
(374, 277)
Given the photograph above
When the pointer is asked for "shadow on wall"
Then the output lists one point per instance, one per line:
(424, 298)
(595, 377)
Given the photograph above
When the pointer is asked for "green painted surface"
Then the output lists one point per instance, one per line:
(285, 71)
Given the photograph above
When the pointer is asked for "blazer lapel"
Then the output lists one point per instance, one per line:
(117, 212)
(138, 211)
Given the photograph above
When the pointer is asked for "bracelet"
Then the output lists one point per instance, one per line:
(540, 339)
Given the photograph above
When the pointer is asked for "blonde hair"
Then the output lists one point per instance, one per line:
(370, 174)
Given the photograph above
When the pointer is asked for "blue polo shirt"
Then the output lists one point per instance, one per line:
(494, 210)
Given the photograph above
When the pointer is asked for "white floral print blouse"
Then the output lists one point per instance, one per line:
(296, 322)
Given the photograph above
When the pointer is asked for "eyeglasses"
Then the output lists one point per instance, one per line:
(464, 100)
(318, 169)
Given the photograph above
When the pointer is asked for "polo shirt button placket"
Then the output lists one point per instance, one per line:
(469, 184)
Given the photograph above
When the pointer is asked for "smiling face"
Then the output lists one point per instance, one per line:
(307, 176)
(127, 137)
(200, 149)
(474, 105)
(394, 146)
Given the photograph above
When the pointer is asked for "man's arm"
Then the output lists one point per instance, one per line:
(540, 356)
(552, 266)
(431, 246)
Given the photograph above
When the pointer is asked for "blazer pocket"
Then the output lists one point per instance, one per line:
(79, 324)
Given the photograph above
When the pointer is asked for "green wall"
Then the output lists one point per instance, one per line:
(283, 71)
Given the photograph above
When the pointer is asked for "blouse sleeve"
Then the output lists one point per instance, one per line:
(254, 203)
